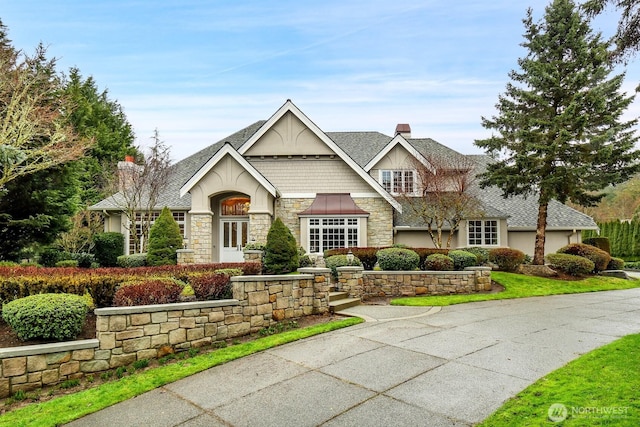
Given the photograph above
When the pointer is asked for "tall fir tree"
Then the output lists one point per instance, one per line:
(560, 134)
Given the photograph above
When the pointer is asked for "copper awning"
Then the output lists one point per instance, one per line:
(333, 204)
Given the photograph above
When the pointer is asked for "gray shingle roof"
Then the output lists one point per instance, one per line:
(362, 147)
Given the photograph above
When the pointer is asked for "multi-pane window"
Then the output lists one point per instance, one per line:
(483, 232)
(134, 244)
(398, 181)
(329, 233)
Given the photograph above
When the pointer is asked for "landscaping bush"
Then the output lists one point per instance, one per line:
(506, 259)
(462, 259)
(482, 254)
(67, 263)
(151, 291)
(398, 259)
(438, 262)
(83, 259)
(108, 247)
(572, 265)
(615, 264)
(132, 261)
(367, 256)
(164, 240)
(599, 257)
(49, 256)
(211, 286)
(335, 261)
(599, 242)
(423, 253)
(46, 316)
(281, 250)
(303, 258)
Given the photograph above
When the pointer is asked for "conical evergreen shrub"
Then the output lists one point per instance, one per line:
(281, 250)
(164, 240)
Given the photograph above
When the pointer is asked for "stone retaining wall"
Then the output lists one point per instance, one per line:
(366, 284)
(127, 334)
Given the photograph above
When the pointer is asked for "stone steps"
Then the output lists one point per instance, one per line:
(341, 301)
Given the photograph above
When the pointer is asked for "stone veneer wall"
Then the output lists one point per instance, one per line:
(201, 235)
(380, 221)
(259, 224)
(366, 284)
(127, 334)
(288, 209)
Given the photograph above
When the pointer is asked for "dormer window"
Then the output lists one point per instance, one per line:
(398, 181)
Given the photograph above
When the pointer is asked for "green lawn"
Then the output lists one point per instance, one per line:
(521, 286)
(600, 388)
(68, 408)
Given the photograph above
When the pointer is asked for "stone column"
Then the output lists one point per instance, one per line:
(350, 280)
(201, 237)
(321, 286)
(482, 277)
(186, 256)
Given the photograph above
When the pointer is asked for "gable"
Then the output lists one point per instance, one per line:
(397, 158)
(289, 137)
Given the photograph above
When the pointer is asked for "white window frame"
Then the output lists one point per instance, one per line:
(388, 180)
(485, 226)
(319, 230)
(179, 216)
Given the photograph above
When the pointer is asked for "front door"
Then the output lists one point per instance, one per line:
(234, 238)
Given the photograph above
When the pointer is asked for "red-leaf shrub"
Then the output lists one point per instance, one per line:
(506, 259)
(423, 253)
(599, 257)
(211, 286)
(157, 291)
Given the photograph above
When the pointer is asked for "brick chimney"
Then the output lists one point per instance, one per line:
(404, 130)
(127, 172)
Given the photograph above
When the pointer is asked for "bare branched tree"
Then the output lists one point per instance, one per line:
(140, 188)
(444, 197)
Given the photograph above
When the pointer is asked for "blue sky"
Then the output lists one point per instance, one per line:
(200, 70)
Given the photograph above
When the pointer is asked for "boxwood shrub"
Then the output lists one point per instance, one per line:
(46, 316)
(423, 253)
(108, 247)
(572, 265)
(398, 259)
(438, 262)
(462, 259)
(482, 254)
(367, 256)
(599, 257)
(506, 259)
(132, 261)
(335, 261)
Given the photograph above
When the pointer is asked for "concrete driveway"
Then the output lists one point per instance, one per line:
(405, 366)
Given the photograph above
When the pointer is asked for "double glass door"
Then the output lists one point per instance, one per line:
(234, 238)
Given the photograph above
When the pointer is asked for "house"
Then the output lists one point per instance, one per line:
(332, 189)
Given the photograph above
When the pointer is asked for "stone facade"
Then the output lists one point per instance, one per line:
(127, 334)
(380, 221)
(288, 209)
(366, 284)
(259, 224)
(201, 235)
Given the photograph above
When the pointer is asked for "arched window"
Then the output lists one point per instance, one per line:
(235, 206)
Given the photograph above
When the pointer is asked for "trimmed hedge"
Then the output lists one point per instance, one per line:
(438, 262)
(46, 316)
(132, 261)
(462, 259)
(506, 259)
(367, 256)
(599, 242)
(615, 264)
(423, 253)
(599, 257)
(108, 247)
(335, 261)
(211, 286)
(482, 254)
(158, 291)
(572, 265)
(398, 259)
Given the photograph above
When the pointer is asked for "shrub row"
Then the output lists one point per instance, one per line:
(101, 284)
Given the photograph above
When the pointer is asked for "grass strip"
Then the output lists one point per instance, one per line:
(599, 388)
(521, 286)
(68, 408)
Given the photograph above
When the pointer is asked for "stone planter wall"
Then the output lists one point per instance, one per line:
(365, 284)
(127, 334)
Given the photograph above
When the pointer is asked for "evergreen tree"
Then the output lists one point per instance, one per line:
(164, 240)
(559, 128)
(281, 251)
